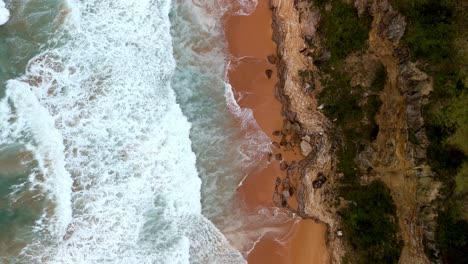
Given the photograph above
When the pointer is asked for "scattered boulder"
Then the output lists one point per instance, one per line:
(286, 194)
(278, 181)
(317, 184)
(286, 184)
(276, 144)
(309, 88)
(269, 155)
(276, 198)
(321, 178)
(277, 133)
(283, 165)
(268, 73)
(272, 59)
(292, 165)
(283, 141)
(278, 156)
(320, 181)
(286, 125)
(284, 203)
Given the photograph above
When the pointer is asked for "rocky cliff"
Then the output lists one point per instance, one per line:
(395, 153)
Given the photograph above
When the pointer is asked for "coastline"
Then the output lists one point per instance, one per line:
(253, 75)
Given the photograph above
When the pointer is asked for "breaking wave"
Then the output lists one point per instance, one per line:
(112, 145)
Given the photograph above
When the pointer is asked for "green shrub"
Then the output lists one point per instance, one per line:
(370, 223)
(343, 30)
(452, 237)
(430, 32)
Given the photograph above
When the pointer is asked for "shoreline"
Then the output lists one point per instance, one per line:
(253, 75)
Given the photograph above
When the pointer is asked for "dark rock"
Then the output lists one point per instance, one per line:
(296, 126)
(308, 38)
(290, 115)
(276, 198)
(283, 141)
(292, 165)
(286, 181)
(268, 73)
(292, 191)
(286, 126)
(321, 178)
(277, 183)
(284, 203)
(276, 144)
(303, 49)
(269, 155)
(283, 165)
(402, 53)
(272, 59)
(309, 88)
(278, 156)
(316, 184)
(277, 133)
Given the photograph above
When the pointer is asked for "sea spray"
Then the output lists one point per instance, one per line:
(99, 115)
(4, 13)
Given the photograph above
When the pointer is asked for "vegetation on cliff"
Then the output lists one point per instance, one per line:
(436, 35)
(370, 224)
(345, 31)
(369, 219)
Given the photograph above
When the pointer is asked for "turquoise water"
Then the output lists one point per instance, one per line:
(24, 36)
(120, 141)
(31, 25)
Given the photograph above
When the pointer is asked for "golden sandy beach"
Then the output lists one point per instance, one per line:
(250, 43)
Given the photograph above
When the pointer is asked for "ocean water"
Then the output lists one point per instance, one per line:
(120, 141)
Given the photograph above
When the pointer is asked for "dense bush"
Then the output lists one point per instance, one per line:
(343, 30)
(370, 223)
(433, 27)
(452, 237)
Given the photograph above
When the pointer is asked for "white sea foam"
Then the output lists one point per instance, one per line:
(99, 111)
(226, 151)
(4, 13)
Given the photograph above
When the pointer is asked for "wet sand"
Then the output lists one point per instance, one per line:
(250, 43)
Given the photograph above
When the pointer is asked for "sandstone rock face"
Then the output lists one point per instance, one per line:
(293, 30)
